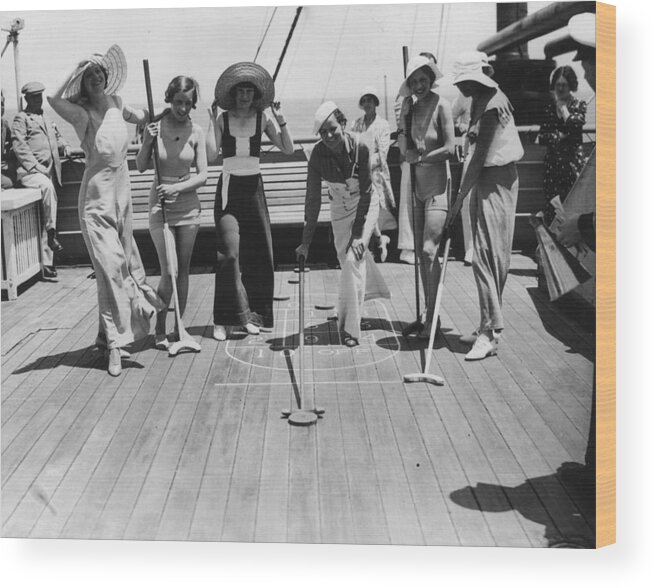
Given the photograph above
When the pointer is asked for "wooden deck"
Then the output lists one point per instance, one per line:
(194, 447)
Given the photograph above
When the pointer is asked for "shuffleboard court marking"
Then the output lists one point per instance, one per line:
(309, 382)
(261, 343)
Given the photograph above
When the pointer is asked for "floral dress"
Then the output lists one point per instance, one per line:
(564, 158)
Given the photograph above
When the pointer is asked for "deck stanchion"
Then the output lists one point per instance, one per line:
(302, 416)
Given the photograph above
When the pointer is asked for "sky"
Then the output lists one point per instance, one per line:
(336, 49)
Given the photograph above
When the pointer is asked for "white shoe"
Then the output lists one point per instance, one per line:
(220, 334)
(485, 346)
(114, 362)
(470, 339)
(407, 256)
(101, 343)
(162, 342)
(251, 329)
(384, 241)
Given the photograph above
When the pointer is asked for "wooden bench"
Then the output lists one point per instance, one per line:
(284, 186)
(21, 237)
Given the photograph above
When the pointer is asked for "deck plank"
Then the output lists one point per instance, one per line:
(337, 520)
(195, 448)
(186, 369)
(209, 515)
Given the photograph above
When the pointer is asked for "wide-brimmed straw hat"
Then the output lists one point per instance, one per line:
(582, 28)
(368, 91)
(242, 72)
(473, 66)
(114, 64)
(416, 63)
(322, 113)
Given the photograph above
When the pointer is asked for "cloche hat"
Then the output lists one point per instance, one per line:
(414, 64)
(582, 28)
(322, 113)
(238, 73)
(473, 66)
(114, 64)
(368, 91)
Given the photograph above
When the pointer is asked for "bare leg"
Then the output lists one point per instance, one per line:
(435, 219)
(185, 238)
(165, 288)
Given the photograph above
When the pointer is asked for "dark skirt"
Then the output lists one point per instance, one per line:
(244, 272)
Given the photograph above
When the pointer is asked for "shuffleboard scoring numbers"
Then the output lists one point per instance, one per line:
(270, 350)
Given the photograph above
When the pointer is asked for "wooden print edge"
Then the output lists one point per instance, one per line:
(606, 275)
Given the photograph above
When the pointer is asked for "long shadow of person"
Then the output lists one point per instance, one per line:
(563, 502)
(90, 357)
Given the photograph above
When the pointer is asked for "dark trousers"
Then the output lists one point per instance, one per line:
(244, 270)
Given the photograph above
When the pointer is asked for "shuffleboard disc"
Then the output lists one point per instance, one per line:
(324, 306)
(281, 297)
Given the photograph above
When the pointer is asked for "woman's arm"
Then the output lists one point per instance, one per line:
(364, 188)
(282, 138)
(445, 120)
(577, 116)
(384, 140)
(137, 116)
(144, 156)
(488, 125)
(214, 137)
(312, 202)
(71, 113)
(402, 128)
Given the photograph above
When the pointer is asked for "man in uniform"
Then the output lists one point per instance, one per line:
(37, 147)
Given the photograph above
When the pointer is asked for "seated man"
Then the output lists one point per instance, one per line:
(7, 171)
(37, 145)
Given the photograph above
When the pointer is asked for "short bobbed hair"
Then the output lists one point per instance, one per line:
(376, 100)
(568, 74)
(182, 84)
(233, 90)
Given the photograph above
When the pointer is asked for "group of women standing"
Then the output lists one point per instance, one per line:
(89, 100)
(351, 163)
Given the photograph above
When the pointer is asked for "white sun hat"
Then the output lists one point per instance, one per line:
(368, 91)
(414, 64)
(322, 113)
(245, 72)
(473, 66)
(114, 64)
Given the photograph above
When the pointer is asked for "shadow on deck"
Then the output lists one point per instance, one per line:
(194, 447)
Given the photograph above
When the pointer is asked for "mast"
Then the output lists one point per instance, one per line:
(17, 25)
(286, 44)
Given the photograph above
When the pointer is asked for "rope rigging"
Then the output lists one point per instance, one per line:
(336, 52)
(265, 33)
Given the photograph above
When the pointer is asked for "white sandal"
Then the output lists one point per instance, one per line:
(220, 333)
(114, 366)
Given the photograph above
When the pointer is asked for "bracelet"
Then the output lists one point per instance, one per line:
(284, 124)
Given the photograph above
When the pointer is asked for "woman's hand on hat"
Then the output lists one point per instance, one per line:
(276, 109)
